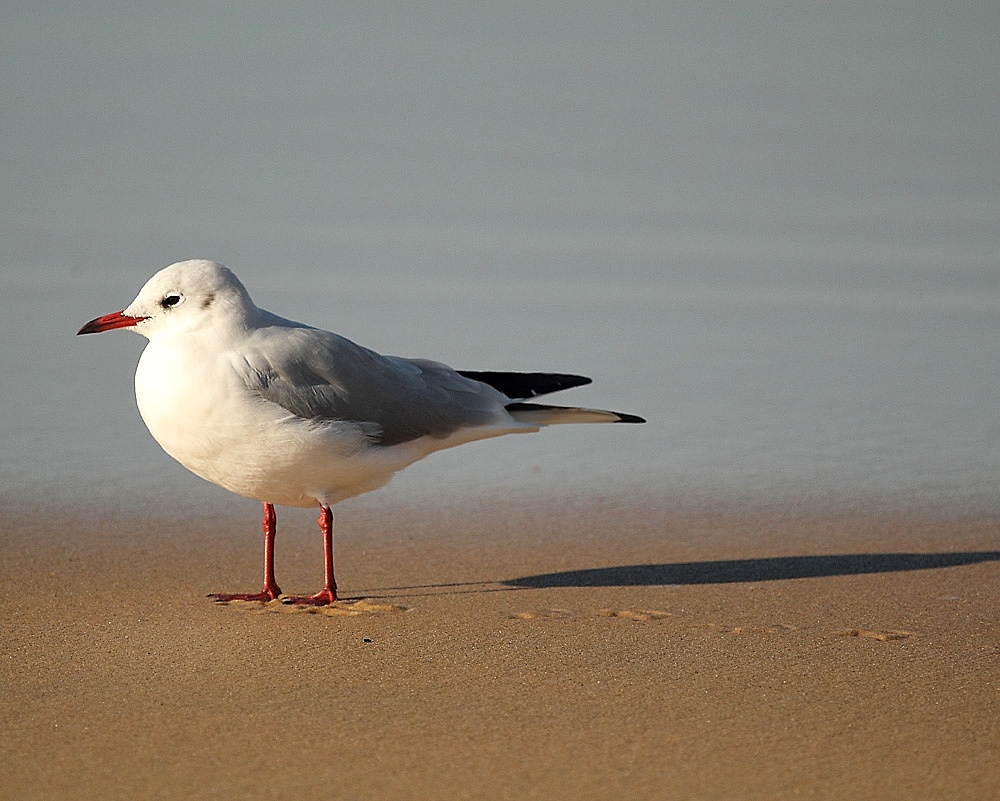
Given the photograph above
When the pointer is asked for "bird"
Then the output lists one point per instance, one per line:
(287, 414)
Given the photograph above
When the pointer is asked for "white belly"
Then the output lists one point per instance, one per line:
(202, 414)
(200, 410)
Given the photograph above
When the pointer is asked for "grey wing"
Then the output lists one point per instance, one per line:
(321, 376)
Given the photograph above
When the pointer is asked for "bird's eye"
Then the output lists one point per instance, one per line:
(170, 301)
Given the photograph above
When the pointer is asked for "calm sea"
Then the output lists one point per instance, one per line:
(773, 229)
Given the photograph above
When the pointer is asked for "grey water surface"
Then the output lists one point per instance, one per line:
(770, 228)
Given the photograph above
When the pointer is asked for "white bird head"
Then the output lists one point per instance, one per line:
(181, 298)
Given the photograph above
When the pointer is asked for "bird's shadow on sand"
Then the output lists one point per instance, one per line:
(733, 571)
(726, 571)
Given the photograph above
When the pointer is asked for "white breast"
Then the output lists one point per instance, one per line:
(199, 409)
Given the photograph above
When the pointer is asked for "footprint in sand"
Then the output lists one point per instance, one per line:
(882, 636)
(635, 614)
(536, 614)
(628, 614)
(339, 609)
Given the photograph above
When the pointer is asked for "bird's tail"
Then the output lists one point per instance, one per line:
(521, 386)
(542, 415)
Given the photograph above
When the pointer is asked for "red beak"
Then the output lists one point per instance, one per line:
(109, 321)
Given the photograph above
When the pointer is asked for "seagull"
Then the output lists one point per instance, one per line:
(284, 413)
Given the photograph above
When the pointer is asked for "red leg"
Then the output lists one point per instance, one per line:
(329, 592)
(270, 590)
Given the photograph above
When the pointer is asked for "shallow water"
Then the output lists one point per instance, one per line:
(772, 232)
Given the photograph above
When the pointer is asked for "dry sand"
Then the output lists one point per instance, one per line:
(575, 649)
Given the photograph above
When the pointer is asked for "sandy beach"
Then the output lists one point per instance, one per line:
(577, 648)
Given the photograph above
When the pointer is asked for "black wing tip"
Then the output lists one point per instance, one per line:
(522, 386)
(526, 385)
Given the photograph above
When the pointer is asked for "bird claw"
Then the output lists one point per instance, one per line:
(321, 598)
(266, 594)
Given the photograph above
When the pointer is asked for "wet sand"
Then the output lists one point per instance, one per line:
(575, 648)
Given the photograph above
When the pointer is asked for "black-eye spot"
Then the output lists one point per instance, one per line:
(170, 301)
(208, 301)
